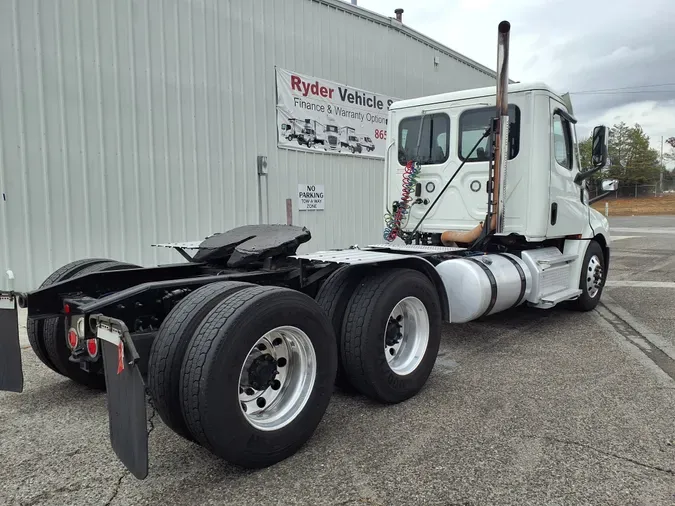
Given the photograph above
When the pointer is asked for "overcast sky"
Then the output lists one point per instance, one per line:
(571, 45)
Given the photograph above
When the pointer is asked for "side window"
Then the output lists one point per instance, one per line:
(562, 141)
(472, 124)
(434, 141)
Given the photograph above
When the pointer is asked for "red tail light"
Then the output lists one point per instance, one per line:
(92, 347)
(72, 339)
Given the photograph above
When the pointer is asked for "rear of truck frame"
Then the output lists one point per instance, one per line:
(239, 348)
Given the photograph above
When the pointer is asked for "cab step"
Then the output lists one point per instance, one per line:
(548, 262)
(556, 298)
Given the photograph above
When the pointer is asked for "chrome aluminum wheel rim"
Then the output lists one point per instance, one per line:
(406, 336)
(277, 378)
(594, 276)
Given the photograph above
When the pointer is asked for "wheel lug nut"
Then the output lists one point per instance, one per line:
(276, 385)
(281, 362)
(277, 342)
(249, 391)
(261, 402)
(391, 351)
(262, 347)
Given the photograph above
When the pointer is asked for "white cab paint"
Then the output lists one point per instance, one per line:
(534, 180)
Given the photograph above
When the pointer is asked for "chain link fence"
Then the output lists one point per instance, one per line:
(635, 190)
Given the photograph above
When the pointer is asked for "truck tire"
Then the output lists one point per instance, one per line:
(258, 375)
(592, 278)
(35, 328)
(55, 336)
(333, 297)
(168, 349)
(391, 334)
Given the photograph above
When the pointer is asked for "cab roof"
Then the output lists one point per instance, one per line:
(472, 93)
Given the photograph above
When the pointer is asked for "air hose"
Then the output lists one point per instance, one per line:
(394, 221)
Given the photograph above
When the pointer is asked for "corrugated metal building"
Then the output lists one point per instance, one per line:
(128, 122)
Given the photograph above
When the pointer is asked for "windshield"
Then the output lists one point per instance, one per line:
(367, 139)
(309, 131)
(352, 138)
(331, 128)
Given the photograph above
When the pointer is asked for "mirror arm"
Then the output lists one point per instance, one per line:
(599, 197)
(586, 174)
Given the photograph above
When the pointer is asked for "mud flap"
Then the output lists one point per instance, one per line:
(126, 394)
(11, 372)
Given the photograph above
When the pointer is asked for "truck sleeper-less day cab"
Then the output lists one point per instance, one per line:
(240, 346)
(332, 138)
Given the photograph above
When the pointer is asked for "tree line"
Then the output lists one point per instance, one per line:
(632, 160)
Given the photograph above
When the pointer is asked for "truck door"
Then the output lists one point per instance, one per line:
(567, 212)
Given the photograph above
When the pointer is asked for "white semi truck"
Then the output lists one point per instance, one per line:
(240, 346)
(332, 138)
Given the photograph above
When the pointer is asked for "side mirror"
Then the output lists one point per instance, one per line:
(610, 185)
(600, 146)
(599, 156)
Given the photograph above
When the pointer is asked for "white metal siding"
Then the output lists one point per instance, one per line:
(128, 122)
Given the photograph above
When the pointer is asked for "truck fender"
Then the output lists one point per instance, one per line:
(427, 268)
(578, 247)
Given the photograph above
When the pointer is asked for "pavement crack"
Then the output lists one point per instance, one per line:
(604, 452)
(65, 489)
(151, 418)
(116, 491)
(74, 452)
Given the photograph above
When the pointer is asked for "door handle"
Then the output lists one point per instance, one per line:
(554, 213)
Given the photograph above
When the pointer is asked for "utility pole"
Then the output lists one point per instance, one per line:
(661, 168)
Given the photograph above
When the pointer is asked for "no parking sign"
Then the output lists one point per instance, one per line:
(311, 197)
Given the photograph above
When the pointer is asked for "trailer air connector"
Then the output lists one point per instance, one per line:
(394, 220)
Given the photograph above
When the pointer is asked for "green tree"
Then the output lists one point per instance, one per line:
(670, 154)
(633, 161)
(586, 153)
(618, 150)
(642, 162)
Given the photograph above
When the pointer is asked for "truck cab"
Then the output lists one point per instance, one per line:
(543, 196)
(308, 134)
(366, 143)
(331, 138)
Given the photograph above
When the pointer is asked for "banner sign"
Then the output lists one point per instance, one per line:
(323, 116)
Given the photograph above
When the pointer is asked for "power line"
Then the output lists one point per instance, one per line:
(619, 92)
(626, 88)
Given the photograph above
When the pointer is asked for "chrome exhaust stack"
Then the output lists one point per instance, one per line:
(502, 134)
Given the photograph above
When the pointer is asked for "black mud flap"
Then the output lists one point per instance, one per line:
(11, 372)
(126, 394)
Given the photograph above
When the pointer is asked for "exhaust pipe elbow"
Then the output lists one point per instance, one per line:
(451, 238)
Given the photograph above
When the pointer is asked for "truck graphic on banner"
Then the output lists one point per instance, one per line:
(323, 116)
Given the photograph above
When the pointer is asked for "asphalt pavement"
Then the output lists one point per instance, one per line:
(524, 407)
